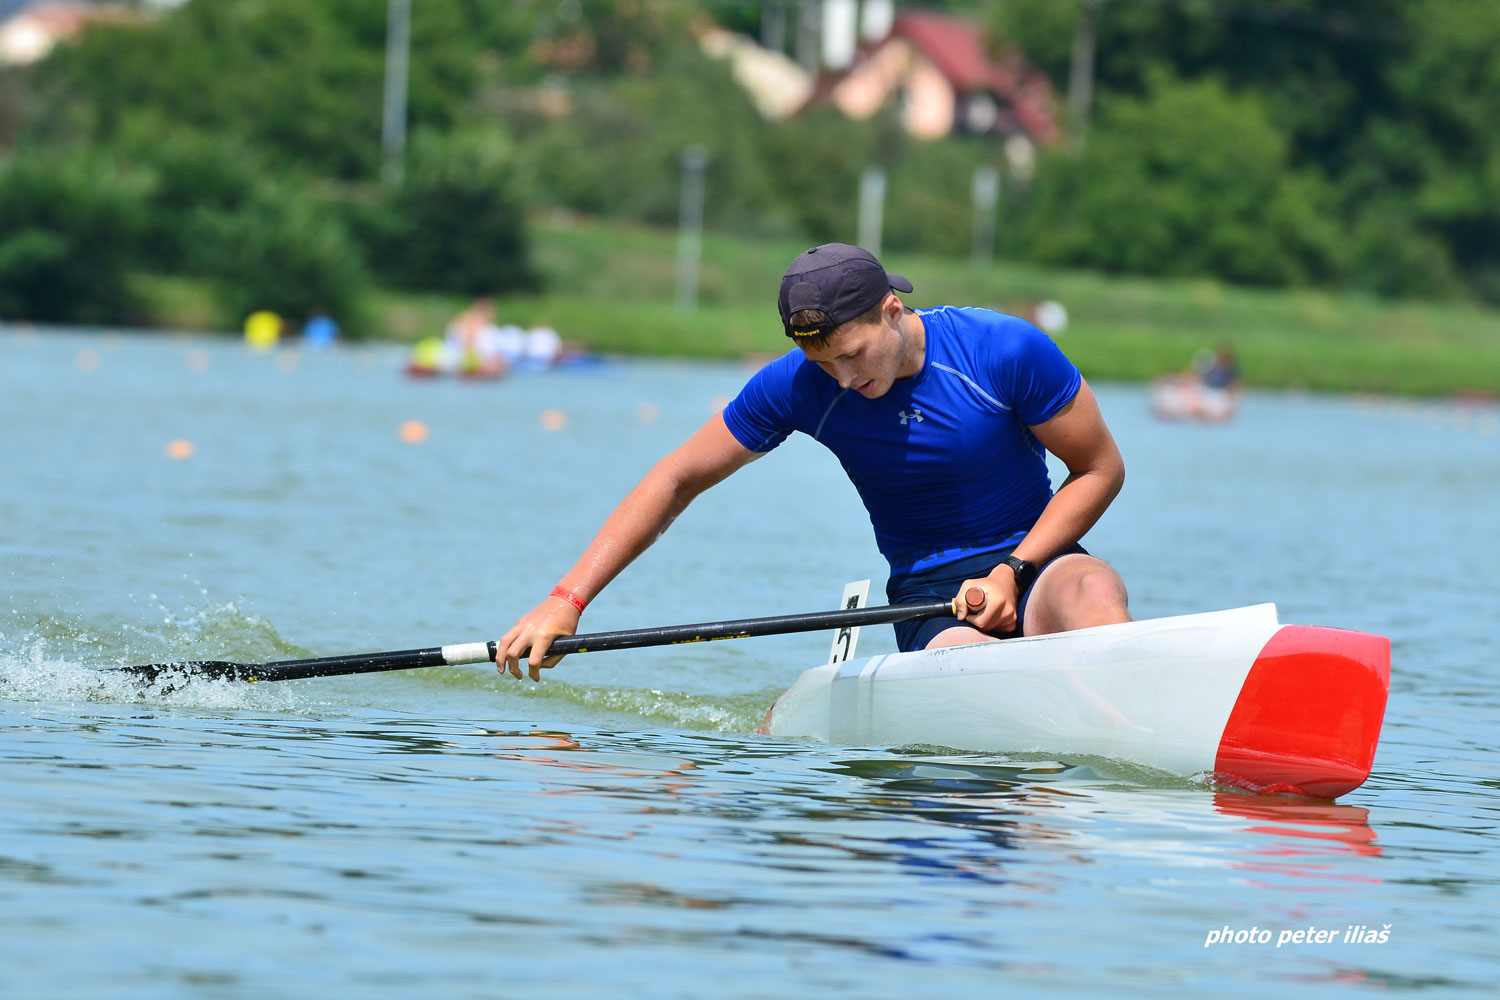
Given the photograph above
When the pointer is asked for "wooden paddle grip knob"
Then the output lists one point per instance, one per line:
(974, 598)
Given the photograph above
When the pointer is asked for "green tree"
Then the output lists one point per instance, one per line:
(1389, 101)
(1190, 180)
(288, 251)
(302, 83)
(70, 227)
(457, 222)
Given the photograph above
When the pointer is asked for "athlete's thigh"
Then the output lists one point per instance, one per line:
(959, 635)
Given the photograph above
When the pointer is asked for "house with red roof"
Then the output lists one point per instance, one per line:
(938, 72)
(30, 28)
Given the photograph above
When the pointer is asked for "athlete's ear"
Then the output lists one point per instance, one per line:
(891, 307)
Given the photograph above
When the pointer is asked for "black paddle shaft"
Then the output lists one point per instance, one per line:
(478, 652)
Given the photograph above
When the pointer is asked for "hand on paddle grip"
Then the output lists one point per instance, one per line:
(532, 635)
(989, 603)
(974, 598)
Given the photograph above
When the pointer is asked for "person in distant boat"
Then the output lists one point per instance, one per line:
(1210, 390)
(474, 341)
(941, 418)
(1222, 370)
(1221, 386)
(543, 346)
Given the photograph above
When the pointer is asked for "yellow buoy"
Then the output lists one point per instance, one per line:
(180, 449)
(554, 420)
(262, 330)
(413, 432)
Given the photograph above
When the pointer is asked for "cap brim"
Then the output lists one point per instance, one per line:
(898, 282)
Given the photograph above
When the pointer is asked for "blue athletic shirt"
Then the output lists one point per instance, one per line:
(943, 461)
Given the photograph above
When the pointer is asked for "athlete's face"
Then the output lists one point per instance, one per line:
(867, 357)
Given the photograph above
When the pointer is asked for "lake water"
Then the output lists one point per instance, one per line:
(618, 830)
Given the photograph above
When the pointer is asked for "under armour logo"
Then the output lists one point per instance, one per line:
(915, 414)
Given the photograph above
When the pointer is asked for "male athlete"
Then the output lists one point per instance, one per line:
(940, 417)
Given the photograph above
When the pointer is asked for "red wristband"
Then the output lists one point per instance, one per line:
(568, 596)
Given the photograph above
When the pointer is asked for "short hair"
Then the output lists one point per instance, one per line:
(816, 321)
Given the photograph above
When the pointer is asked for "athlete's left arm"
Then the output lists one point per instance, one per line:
(1078, 436)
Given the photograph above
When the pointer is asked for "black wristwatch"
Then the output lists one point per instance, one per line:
(1025, 573)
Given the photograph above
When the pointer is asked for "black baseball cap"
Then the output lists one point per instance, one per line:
(842, 280)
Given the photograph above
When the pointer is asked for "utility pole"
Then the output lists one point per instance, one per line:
(1081, 79)
(690, 227)
(871, 208)
(773, 26)
(986, 190)
(397, 55)
(809, 27)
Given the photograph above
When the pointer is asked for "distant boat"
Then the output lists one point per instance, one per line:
(432, 358)
(1185, 397)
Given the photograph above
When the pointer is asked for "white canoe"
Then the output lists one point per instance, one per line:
(1233, 695)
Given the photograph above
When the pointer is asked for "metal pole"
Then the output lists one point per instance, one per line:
(690, 227)
(1081, 77)
(809, 27)
(871, 208)
(986, 197)
(773, 26)
(397, 55)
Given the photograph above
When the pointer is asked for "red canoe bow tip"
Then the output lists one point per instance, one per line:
(1308, 716)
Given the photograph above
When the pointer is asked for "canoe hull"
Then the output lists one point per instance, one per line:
(1233, 695)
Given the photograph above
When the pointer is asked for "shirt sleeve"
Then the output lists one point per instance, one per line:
(760, 417)
(1035, 376)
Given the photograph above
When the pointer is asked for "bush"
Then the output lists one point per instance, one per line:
(618, 150)
(287, 251)
(70, 230)
(1390, 256)
(930, 197)
(816, 159)
(601, 159)
(1190, 180)
(197, 178)
(457, 222)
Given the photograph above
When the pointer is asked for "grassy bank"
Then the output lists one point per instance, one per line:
(613, 287)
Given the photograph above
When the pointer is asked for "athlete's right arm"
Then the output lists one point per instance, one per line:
(706, 458)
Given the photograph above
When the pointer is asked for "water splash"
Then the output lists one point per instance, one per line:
(213, 631)
(61, 660)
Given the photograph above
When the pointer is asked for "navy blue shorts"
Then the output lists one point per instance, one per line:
(940, 584)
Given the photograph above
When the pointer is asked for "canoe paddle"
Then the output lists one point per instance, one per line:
(480, 652)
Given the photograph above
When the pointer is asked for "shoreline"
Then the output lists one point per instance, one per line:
(610, 286)
(1478, 402)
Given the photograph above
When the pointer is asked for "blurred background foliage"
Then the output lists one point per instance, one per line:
(1342, 144)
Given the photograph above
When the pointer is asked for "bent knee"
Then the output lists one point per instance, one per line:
(1100, 584)
(1078, 591)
